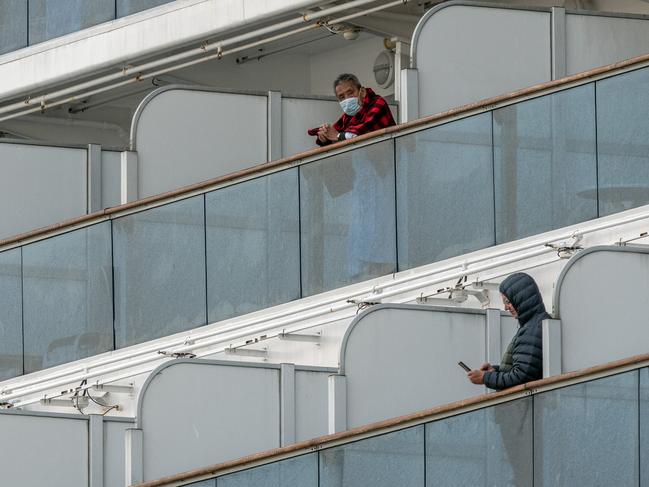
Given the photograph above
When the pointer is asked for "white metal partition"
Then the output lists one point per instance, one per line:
(596, 40)
(397, 359)
(40, 186)
(602, 299)
(500, 49)
(187, 135)
(195, 412)
(464, 53)
(43, 450)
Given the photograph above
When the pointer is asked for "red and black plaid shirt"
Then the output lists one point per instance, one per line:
(375, 114)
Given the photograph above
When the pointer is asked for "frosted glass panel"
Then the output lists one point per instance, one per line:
(54, 18)
(253, 245)
(295, 472)
(384, 461)
(348, 218)
(11, 344)
(545, 164)
(445, 191)
(159, 271)
(67, 296)
(587, 434)
(488, 447)
(623, 141)
(13, 25)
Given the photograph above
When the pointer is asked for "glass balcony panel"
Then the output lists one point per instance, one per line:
(445, 191)
(128, 7)
(644, 427)
(203, 483)
(13, 25)
(295, 472)
(11, 315)
(545, 163)
(383, 461)
(67, 297)
(159, 259)
(491, 446)
(587, 434)
(348, 218)
(253, 245)
(54, 18)
(623, 141)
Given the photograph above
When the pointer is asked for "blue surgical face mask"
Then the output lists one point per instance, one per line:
(350, 106)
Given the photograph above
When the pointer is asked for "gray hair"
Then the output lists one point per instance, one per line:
(346, 77)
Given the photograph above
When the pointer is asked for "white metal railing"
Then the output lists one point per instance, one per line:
(319, 310)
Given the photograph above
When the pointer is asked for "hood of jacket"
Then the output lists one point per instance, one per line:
(524, 294)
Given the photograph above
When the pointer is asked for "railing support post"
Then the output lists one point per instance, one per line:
(128, 177)
(551, 347)
(287, 404)
(337, 403)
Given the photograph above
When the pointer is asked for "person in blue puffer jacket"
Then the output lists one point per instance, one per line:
(523, 360)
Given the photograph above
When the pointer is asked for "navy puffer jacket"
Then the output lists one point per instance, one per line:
(526, 346)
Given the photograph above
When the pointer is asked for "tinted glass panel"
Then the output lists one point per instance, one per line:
(384, 461)
(253, 246)
(11, 317)
(348, 220)
(13, 25)
(623, 141)
(445, 191)
(128, 7)
(204, 483)
(644, 427)
(159, 271)
(67, 287)
(587, 434)
(54, 18)
(488, 447)
(295, 472)
(545, 164)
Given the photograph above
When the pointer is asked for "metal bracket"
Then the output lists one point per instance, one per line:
(300, 337)
(116, 389)
(566, 248)
(247, 352)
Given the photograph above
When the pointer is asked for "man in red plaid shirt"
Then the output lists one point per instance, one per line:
(363, 111)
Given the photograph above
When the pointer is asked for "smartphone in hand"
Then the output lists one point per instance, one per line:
(464, 366)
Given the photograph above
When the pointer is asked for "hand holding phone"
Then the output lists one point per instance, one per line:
(464, 366)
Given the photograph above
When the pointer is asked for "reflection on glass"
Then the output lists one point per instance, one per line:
(623, 141)
(159, 259)
(11, 317)
(295, 472)
(545, 164)
(253, 253)
(13, 25)
(487, 447)
(67, 297)
(445, 191)
(384, 461)
(128, 7)
(587, 434)
(54, 18)
(348, 218)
